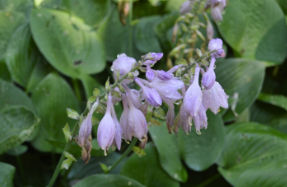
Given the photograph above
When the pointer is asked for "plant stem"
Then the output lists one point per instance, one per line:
(128, 150)
(130, 27)
(77, 89)
(58, 168)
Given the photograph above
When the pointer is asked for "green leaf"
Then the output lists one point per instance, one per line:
(80, 170)
(265, 113)
(67, 132)
(277, 100)
(102, 180)
(11, 96)
(73, 114)
(254, 155)
(168, 149)
(4, 72)
(241, 76)
(112, 30)
(9, 23)
(94, 11)
(16, 5)
(283, 5)
(138, 151)
(146, 40)
(174, 5)
(17, 125)
(67, 43)
(255, 29)
(51, 98)
(201, 151)
(16, 151)
(67, 163)
(7, 174)
(147, 169)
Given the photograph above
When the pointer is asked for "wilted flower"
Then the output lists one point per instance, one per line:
(122, 65)
(216, 46)
(193, 96)
(149, 94)
(208, 78)
(215, 98)
(107, 128)
(185, 7)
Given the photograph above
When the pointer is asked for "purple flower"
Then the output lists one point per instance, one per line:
(118, 134)
(122, 65)
(163, 75)
(185, 7)
(107, 128)
(200, 120)
(134, 95)
(149, 73)
(216, 46)
(193, 96)
(152, 58)
(149, 94)
(209, 31)
(86, 126)
(156, 56)
(127, 131)
(215, 98)
(217, 7)
(185, 120)
(208, 78)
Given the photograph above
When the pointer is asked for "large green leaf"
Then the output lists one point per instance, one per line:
(255, 29)
(241, 76)
(51, 98)
(174, 5)
(116, 37)
(201, 151)
(146, 40)
(80, 170)
(269, 114)
(67, 43)
(277, 100)
(103, 180)
(254, 155)
(17, 125)
(147, 169)
(9, 23)
(94, 11)
(16, 5)
(168, 150)
(7, 174)
(11, 95)
(4, 72)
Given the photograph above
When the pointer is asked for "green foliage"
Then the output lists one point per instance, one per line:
(7, 174)
(17, 125)
(60, 37)
(255, 29)
(51, 98)
(102, 180)
(254, 155)
(147, 169)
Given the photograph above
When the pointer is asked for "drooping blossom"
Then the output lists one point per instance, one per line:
(185, 7)
(124, 121)
(86, 126)
(107, 128)
(193, 96)
(200, 120)
(216, 46)
(209, 31)
(118, 134)
(217, 7)
(209, 76)
(215, 98)
(149, 94)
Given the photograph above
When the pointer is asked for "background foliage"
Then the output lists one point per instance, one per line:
(53, 54)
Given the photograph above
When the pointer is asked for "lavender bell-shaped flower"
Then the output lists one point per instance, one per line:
(193, 96)
(185, 7)
(215, 98)
(86, 126)
(107, 128)
(122, 65)
(216, 46)
(200, 120)
(217, 7)
(209, 76)
(124, 121)
(149, 94)
(118, 134)
(136, 121)
(149, 73)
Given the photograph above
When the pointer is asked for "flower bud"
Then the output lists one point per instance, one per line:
(149, 73)
(209, 76)
(162, 75)
(185, 7)
(216, 46)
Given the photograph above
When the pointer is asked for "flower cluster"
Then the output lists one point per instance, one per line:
(160, 87)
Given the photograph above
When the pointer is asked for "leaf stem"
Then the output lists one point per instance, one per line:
(130, 27)
(128, 150)
(58, 168)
